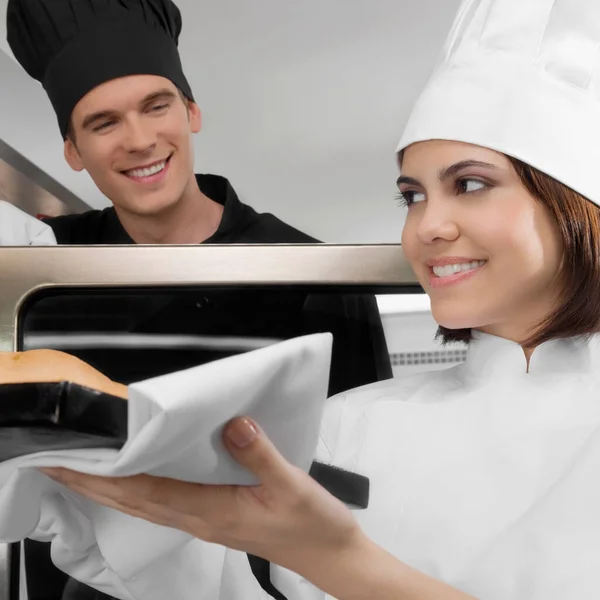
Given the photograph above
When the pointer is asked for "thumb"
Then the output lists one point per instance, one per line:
(249, 445)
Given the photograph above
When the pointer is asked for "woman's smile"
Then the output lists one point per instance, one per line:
(452, 271)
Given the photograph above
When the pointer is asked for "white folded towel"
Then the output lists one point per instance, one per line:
(175, 426)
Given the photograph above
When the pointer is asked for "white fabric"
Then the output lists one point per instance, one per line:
(175, 424)
(17, 228)
(521, 77)
(482, 475)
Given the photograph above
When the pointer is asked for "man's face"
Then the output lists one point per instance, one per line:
(133, 136)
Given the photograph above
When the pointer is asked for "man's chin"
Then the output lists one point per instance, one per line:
(145, 208)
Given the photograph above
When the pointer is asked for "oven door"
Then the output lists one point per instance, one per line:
(135, 312)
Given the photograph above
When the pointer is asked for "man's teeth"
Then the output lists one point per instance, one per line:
(448, 270)
(153, 170)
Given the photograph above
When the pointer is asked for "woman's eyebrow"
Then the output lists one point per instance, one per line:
(454, 169)
(448, 172)
(408, 180)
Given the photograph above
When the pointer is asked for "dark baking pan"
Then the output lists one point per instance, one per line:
(38, 417)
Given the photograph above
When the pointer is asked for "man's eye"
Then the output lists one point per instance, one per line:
(159, 107)
(104, 125)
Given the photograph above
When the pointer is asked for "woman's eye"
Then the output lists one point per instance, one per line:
(466, 186)
(410, 197)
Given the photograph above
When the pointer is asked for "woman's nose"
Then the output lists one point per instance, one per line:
(437, 223)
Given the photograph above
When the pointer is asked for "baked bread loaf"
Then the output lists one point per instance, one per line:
(42, 366)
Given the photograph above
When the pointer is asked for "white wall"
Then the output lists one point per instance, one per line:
(28, 124)
(303, 105)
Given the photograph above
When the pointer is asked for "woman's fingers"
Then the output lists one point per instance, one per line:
(252, 449)
(166, 502)
(140, 496)
(138, 492)
(245, 441)
(217, 513)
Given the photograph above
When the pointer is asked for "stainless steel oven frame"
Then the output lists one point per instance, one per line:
(25, 271)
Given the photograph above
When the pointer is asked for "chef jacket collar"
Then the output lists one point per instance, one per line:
(236, 215)
(490, 356)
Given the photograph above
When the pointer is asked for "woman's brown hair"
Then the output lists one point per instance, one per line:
(578, 220)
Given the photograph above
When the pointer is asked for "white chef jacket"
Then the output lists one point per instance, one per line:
(17, 228)
(483, 475)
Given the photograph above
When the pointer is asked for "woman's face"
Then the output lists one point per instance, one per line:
(485, 250)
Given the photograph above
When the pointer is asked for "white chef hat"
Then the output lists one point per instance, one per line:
(521, 77)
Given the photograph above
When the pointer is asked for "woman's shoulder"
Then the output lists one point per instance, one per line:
(352, 409)
(418, 387)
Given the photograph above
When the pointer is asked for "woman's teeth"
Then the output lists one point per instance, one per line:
(153, 170)
(448, 270)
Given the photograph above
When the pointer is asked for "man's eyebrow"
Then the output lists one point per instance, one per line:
(448, 172)
(92, 118)
(164, 94)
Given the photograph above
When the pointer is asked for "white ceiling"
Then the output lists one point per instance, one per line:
(303, 104)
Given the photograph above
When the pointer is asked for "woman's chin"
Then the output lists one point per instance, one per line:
(455, 320)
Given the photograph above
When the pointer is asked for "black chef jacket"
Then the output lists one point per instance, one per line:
(359, 357)
(240, 223)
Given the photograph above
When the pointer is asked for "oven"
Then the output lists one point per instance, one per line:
(138, 311)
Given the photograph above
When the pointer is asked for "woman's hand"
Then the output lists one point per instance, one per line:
(288, 519)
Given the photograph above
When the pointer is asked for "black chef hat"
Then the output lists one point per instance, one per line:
(72, 46)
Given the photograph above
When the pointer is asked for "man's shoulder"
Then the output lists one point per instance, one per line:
(250, 226)
(81, 228)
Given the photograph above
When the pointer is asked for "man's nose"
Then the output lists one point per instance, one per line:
(139, 137)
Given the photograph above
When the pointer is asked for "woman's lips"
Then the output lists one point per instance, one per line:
(456, 278)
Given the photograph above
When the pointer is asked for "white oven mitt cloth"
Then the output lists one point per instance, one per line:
(175, 426)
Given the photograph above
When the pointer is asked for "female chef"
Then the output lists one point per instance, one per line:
(484, 477)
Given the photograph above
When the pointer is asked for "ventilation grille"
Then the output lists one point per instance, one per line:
(437, 357)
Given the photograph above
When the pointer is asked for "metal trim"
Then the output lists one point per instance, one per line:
(5, 571)
(25, 270)
(69, 341)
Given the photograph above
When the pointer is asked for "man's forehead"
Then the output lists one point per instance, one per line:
(122, 94)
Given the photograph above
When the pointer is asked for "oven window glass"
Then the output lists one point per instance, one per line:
(135, 334)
